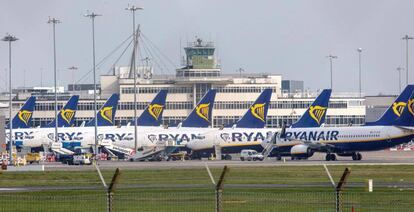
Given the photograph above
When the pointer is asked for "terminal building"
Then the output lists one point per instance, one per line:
(200, 72)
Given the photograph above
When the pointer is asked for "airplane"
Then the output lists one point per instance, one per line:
(301, 143)
(23, 118)
(233, 140)
(25, 135)
(84, 136)
(66, 116)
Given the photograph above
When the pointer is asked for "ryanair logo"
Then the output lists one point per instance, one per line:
(398, 108)
(202, 110)
(67, 115)
(106, 114)
(155, 110)
(24, 116)
(411, 106)
(317, 112)
(258, 111)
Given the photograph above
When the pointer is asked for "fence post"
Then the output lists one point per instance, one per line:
(219, 189)
(339, 188)
(111, 189)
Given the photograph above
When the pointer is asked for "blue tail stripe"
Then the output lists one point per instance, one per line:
(255, 117)
(394, 111)
(315, 115)
(106, 115)
(23, 118)
(152, 115)
(201, 114)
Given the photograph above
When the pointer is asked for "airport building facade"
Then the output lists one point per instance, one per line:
(199, 73)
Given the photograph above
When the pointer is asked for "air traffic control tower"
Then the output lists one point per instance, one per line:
(199, 61)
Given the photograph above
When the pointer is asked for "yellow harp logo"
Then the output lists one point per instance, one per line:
(317, 112)
(155, 110)
(411, 106)
(258, 111)
(106, 114)
(24, 116)
(203, 110)
(398, 108)
(67, 115)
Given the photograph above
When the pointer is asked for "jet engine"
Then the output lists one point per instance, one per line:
(301, 151)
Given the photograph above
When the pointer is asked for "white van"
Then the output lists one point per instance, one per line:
(249, 154)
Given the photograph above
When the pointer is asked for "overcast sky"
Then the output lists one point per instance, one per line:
(291, 37)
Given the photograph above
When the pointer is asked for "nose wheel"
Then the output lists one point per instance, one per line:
(357, 156)
(330, 157)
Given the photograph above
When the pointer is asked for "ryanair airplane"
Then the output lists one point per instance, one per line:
(116, 138)
(344, 141)
(249, 132)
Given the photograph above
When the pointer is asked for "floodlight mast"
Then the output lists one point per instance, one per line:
(92, 16)
(10, 38)
(54, 21)
(133, 9)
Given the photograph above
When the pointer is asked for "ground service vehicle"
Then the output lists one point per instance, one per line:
(249, 154)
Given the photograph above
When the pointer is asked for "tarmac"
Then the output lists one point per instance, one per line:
(369, 158)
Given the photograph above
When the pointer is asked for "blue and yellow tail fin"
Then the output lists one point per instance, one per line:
(106, 115)
(23, 118)
(201, 114)
(152, 115)
(395, 110)
(255, 117)
(316, 113)
(407, 116)
(66, 116)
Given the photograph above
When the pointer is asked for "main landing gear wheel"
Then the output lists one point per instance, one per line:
(357, 156)
(330, 157)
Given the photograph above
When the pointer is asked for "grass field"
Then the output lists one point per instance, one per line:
(183, 189)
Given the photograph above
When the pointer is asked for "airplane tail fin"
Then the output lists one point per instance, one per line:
(201, 114)
(255, 117)
(66, 116)
(407, 116)
(152, 114)
(316, 113)
(106, 115)
(23, 118)
(395, 110)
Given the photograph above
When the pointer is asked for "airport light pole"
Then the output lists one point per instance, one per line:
(360, 70)
(73, 69)
(331, 57)
(92, 16)
(399, 69)
(133, 9)
(406, 38)
(10, 39)
(55, 21)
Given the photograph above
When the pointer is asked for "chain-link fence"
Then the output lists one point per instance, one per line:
(178, 189)
(171, 200)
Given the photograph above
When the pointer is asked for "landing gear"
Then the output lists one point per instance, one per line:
(357, 156)
(330, 157)
(227, 157)
(279, 158)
